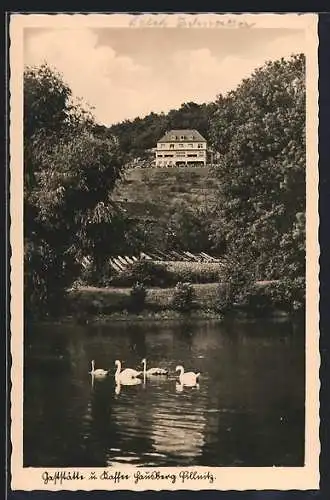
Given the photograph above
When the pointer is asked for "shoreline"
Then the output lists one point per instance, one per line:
(123, 316)
(93, 305)
(161, 316)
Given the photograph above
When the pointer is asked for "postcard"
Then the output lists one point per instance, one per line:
(164, 239)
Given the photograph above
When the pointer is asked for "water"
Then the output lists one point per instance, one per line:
(247, 411)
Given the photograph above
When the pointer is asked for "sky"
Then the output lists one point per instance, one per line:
(124, 73)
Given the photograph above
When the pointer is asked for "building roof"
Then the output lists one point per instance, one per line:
(183, 135)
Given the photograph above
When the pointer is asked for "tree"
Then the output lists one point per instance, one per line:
(70, 170)
(191, 116)
(138, 136)
(187, 228)
(259, 132)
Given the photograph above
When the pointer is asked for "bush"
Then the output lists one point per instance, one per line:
(138, 296)
(193, 272)
(288, 294)
(88, 276)
(46, 278)
(183, 297)
(166, 274)
(260, 299)
(146, 272)
(224, 298)
(236, 286)
(91, 276)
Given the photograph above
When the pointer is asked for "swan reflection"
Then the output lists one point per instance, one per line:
(133, 381)
(97, 380)
(180, 387)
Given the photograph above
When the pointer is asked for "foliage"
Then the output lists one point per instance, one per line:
(237, 280)
(179, 228)
(71, 167)
(288, 294)
(142, 271)
(165, 274)
(188, 228)
(91, 276)
(46, 275)
(69, 171)
(194, 272)
(259, 131)
(224, 298)
(183, 297)
(138, 297)
(138, 136)
(258, 301)
(172, 209)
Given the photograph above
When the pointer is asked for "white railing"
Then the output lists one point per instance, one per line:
(121, 262)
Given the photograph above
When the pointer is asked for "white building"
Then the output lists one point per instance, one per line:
(181, 147)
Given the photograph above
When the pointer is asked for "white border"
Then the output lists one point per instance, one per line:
(229, 478)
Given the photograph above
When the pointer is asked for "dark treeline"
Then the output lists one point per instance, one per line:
(138, 136)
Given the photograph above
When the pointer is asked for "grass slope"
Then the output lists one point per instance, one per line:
(147, 192)
(156, 297)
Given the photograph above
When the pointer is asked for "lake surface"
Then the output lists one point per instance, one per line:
(247, 411)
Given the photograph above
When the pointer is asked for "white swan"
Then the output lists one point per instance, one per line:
(99, 372)
(188, 378)
(126, 375)
(152, 371)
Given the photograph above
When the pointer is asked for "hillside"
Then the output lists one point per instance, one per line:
(136, 137)
(150, 192)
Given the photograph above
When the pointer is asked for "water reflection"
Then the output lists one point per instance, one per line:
(132, 382)
(179, 387)
(137, 340)
(247, 409)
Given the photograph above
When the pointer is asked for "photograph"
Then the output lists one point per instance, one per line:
(164, 273)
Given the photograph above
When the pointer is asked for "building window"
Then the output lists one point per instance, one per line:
(159, 156)
(162, 145)
(183, 137)
(190, 145)
(168, 156)
(181, 154)
(191, 156)
(171, 146)
(200, 146)
(180, 145)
